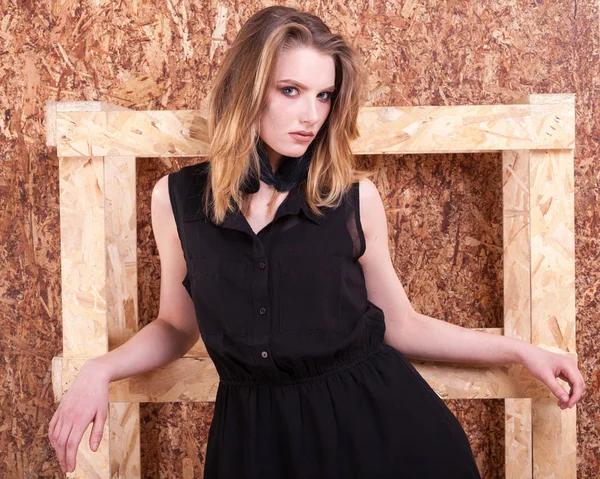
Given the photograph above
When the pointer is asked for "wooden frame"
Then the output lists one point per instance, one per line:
(97, 145)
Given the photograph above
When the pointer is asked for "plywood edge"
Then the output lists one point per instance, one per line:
(57, 378)
(50, 119)
(91, 106)
(546, 99)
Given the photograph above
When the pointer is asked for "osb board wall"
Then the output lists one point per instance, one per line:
(445, 211)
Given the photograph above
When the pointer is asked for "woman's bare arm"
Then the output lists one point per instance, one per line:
(417, 335)
(175, 330)
(423, 337)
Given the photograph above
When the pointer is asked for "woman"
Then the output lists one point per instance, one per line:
(275, 252)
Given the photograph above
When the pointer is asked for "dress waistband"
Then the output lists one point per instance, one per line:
(276, 382)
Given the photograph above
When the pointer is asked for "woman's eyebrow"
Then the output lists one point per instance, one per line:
(298, 84)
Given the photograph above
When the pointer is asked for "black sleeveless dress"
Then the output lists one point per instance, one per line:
(307, 387)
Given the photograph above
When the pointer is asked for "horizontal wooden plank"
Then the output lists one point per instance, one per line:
(59, 106)
(196, 379)
(390, 130)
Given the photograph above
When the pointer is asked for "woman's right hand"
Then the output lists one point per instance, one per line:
(85, 401)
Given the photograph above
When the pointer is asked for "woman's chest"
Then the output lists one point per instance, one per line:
(295, 286)
(262, 211)
(291, 276)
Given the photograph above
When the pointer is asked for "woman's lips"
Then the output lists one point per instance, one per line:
(302, 138)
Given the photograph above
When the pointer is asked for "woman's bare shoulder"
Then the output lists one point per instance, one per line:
(160, 193)
(367, 190)
(371, 205)
(373, 218)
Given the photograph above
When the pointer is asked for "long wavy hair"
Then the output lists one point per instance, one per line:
(239, 96)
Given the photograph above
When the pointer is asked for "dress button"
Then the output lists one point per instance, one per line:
(261, 265)
(264, 354)
(263, 310)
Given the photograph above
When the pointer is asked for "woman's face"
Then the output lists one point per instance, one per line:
(299, 99)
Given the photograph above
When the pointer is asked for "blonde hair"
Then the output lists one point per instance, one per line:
(239, 95)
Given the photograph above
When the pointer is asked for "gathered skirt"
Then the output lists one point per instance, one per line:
(374, 417)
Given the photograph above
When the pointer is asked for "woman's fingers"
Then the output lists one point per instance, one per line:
(61, 444)
(51, 427)
(96, 434)
(570, 374)
(577, 385)
(77, 431)
(56, 433)
(560, 392)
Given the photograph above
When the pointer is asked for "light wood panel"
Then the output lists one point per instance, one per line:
(99, 281)
(425, 129)
(122, 301)
(517, 303)
(553, 302)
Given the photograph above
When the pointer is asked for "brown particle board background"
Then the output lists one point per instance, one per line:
(445, 211)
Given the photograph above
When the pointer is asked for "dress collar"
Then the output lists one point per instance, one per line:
(293, 204)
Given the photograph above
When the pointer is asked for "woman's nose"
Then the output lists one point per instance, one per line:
(311, 112)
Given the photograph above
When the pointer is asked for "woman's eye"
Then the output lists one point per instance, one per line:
(328, 93)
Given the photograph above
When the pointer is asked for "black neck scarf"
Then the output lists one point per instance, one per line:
(291, 171)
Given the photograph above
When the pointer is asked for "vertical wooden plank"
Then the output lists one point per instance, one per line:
(99, 271)
(552, 220)
(518, 438)
(83, 277)
(517, 303)
(553, 302)
(122, 302)
(125, 440)
(83, 258)
(517, 255)
(121, 249)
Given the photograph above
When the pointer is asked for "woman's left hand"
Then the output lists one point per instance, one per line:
(547, 366)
